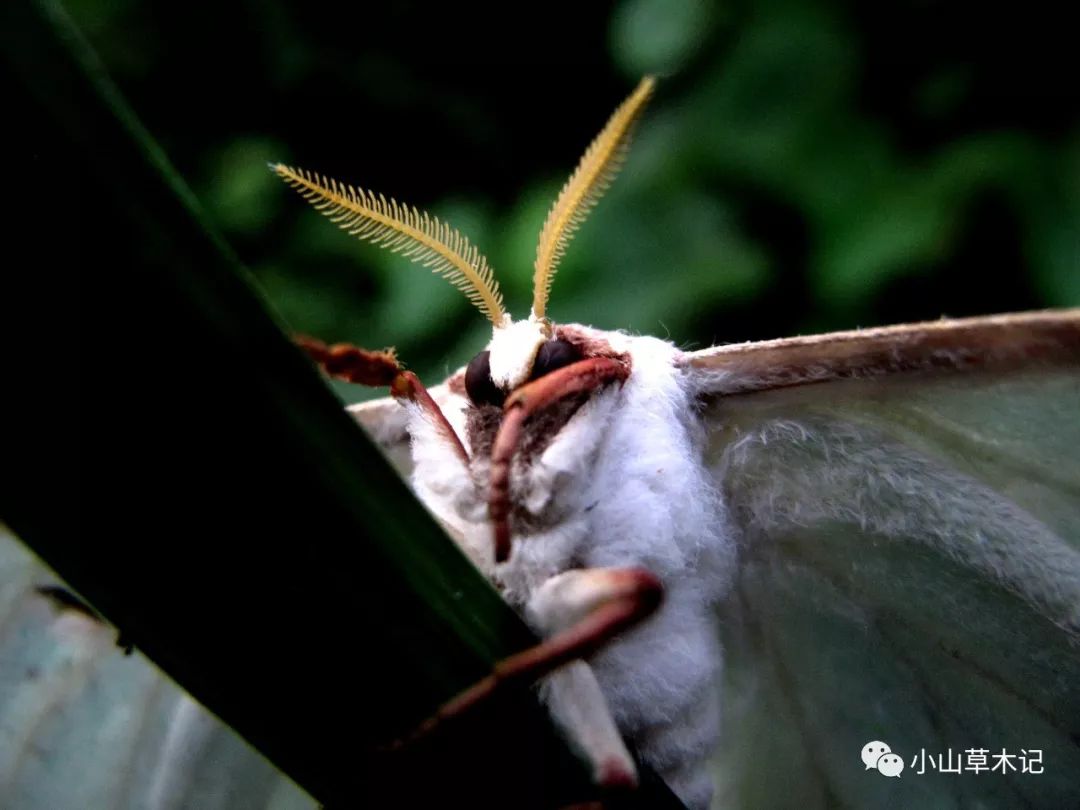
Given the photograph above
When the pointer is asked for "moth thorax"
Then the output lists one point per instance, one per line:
(513, 351)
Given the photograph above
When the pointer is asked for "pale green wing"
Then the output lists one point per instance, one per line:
(909, 573)
(85, 727)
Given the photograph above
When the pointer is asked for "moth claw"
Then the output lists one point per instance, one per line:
(616, 773)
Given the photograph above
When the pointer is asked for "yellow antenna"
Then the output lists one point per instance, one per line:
(402, 229)
(598, 167)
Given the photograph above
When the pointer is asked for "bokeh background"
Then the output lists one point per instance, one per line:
(803, 166)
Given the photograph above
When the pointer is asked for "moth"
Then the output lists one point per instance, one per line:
(749, 561)
(755, 567)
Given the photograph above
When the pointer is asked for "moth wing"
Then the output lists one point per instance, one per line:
(909, 574)
(386, 421)
(82, 725)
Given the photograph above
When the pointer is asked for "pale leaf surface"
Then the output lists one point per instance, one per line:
(84, 726)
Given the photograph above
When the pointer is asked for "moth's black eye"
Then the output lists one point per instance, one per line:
(478, 384)
(554, 355)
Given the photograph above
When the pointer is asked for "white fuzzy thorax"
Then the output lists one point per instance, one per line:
(622, 484)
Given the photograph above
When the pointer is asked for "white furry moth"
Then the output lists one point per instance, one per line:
(865, 536)
(853, 521)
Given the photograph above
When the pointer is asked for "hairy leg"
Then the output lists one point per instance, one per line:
(581, 610)
(377, 369)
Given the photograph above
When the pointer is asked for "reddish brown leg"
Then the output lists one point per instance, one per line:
(376, 369)
(408, 386)
(636, 595)
(585, 375)
(352, 364)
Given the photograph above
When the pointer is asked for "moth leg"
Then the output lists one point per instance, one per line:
(351, 363)
(377, 369)
(582, 609)
(585, 375)
(572, 692)
(575, 702)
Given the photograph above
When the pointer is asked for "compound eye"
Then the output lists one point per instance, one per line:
(478, 384)
(553, 355)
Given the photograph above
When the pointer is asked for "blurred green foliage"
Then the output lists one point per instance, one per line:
(804, 166)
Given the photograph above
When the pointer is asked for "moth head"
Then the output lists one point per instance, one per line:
(519, 351)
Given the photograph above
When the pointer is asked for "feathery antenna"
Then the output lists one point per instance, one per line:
(597, 169)
(402, 229)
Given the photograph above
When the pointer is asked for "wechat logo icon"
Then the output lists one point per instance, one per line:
(880, 757)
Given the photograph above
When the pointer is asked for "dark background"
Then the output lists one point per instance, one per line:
(803, 166)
